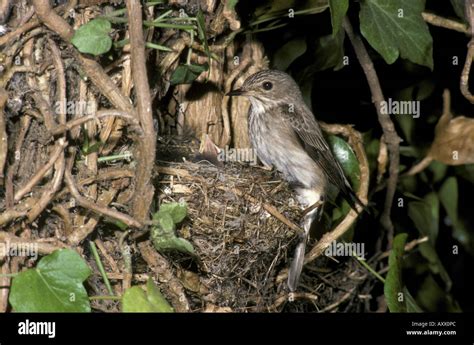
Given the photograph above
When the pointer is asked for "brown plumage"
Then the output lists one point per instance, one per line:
(285, 134)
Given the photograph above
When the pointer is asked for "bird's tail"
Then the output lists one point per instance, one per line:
(296, 266)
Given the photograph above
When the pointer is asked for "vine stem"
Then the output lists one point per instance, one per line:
(390, 135)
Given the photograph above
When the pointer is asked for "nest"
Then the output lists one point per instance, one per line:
(240, 246)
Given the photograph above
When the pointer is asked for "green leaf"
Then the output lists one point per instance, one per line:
(288, 53)
(136, 300)
(93, 37)
(439, 170)
(434, 299)
(396, 28)
(347, 158)
(416, 92)
(186, 74)
(449, 196)
(412, 306)
(163, 232)
(177, 210)
(202, 32)
(231, 4)
(459, 8)
(338, 12)
(466, 171)
(166, 222)
(174, 243)
(436, 266)
(393, 287)
(425, 215)
(372, 147)
(54, 285)
(329, 53)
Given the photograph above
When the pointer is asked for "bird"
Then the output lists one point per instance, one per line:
(285, 134)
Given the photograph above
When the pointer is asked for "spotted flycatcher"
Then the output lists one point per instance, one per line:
(286, 135)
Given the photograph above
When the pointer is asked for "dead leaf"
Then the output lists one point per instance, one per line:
(454, 140)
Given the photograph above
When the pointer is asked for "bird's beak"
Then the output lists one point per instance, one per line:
(236, 92)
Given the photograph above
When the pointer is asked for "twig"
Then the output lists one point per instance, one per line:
(446, 23)
(470, 54)
(44, 248)
(390, 135)
(336, 304)
(294, 296)
(127, 261)
(409, 246)
(144, 190)
(104, 199)
(3, 131)
(105, 211)
(100, 114)
(90, 67)
(163, 272)
(41, 172)
(269, 208)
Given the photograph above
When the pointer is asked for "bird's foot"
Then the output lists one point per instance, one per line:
(265, 167)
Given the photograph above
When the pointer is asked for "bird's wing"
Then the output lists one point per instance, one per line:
(307, 128)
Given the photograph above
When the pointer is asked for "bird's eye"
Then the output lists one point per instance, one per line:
(267, 85)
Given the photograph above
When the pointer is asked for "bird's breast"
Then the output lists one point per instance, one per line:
(277, 144)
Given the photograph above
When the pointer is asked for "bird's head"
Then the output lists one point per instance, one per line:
(269, 88)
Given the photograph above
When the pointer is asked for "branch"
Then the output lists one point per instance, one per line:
(390, 135)
(146, 143)
(470, 54)
(3, 131)
(101, 210)
(446, 23)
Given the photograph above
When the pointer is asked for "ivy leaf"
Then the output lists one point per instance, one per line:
(163, 232)
(54, 285)
(396, 28)
(288, 53)
(137, 300)
(434, 299)
(425, 215)
(393, 287)
(345, 155)
(459, 8)
(177, 210)
(202, 32)
(338, 12)
(186, 74)
(329, 53)
(165, 220)
(412, 306)
(93, 37)
(449, 196)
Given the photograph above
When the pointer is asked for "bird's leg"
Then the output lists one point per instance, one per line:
(312, 207)
(298, 260)
(314, 199)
